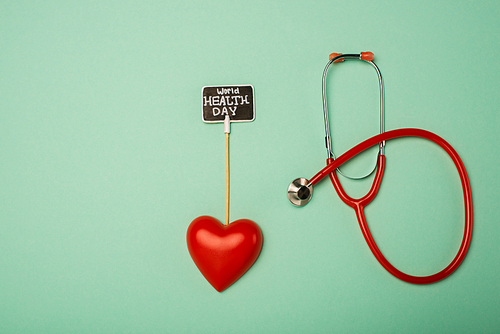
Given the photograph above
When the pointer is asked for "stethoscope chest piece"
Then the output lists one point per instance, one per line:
(300, 191)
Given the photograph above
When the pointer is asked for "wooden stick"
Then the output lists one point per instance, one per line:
(227, 178)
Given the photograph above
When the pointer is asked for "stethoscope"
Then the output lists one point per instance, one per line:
(300, 190)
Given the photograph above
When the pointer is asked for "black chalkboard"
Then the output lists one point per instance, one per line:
(235, 101)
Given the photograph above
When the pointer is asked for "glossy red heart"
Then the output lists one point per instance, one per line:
(223, 253)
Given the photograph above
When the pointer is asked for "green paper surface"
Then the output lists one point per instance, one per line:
(104, 162)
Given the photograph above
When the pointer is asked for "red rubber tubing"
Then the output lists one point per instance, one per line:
(359, 204)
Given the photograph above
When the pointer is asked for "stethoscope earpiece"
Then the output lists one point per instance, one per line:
(300, 191)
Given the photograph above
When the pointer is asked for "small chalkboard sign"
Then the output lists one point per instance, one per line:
(235, 101)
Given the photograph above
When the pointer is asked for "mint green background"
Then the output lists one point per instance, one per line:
(105, 161)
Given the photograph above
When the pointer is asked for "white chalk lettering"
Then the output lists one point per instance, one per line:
(207, 101)
(215, 100)
(224, 111)
(223, 91)
(216, 111)
(233, 110)
(244, 100)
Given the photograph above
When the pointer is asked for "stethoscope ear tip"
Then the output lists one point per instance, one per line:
(300, 191)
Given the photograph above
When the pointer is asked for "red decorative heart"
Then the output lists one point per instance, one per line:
(223, 253)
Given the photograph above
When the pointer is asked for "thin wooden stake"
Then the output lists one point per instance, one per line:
(227, 178)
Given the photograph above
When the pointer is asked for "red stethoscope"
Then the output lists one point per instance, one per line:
(300, 190)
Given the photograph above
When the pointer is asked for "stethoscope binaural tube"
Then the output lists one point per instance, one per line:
(368, 58)
(359, 204)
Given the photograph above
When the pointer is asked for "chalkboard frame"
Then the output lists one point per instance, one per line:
(231, 119)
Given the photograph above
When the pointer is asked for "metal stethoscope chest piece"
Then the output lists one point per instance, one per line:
(300, 190)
